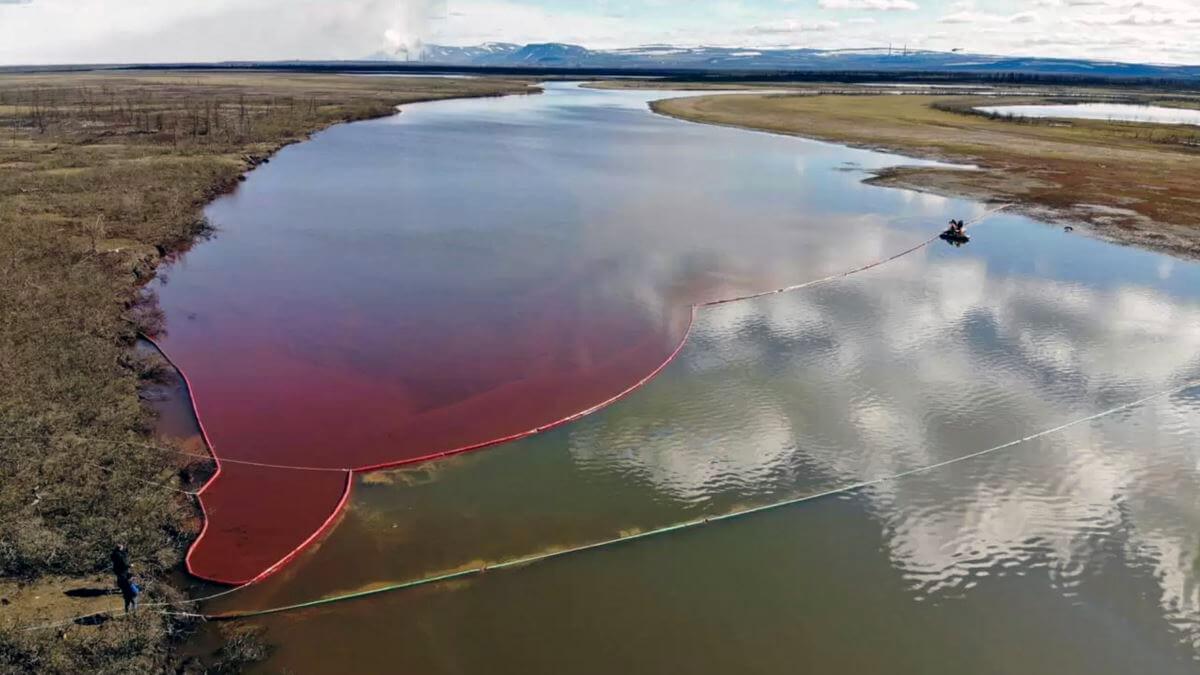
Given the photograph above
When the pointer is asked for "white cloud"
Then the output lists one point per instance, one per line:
(871, 5)
(150, 30)
(788, 26)
(962, 17)
(1154, 31)
(56, 31)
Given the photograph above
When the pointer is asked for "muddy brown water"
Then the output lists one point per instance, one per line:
(1074, 553)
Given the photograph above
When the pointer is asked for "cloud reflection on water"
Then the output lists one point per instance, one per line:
(934, 357)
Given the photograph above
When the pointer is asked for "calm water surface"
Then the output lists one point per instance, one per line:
(1119, 112)
(415, 285)
(1075, 553)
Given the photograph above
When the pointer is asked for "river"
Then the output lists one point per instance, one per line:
(470, 268)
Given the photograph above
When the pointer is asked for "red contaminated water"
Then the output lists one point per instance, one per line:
(395, 290)
(469, 380)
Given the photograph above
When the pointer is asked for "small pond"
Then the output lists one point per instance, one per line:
(1113, 112)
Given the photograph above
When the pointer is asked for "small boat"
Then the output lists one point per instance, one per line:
(955, 237)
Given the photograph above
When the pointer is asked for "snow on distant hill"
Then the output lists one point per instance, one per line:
(560, 55)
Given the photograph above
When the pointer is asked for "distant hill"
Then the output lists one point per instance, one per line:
(714, 64)
(651, 57)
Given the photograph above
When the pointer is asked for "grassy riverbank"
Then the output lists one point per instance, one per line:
(1131, 183)
(101, 176)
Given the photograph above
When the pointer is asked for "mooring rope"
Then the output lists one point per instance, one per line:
(128, 476)
(699, 522)
(210, 458)
(832, 277)
(177, 451)
(118, 613)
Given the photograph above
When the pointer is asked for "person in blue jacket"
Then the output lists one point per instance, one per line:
(129, 591)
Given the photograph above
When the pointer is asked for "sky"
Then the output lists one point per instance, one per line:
(107, 31)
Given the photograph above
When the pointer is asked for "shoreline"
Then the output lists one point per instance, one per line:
(250, 162)
(1111, 218)
(1097, 222)
(72, 175)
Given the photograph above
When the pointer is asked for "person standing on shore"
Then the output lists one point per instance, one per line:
(120, 564)
(129, 591)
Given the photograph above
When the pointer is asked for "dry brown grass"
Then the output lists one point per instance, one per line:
(101, 175)
(1054, 171)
